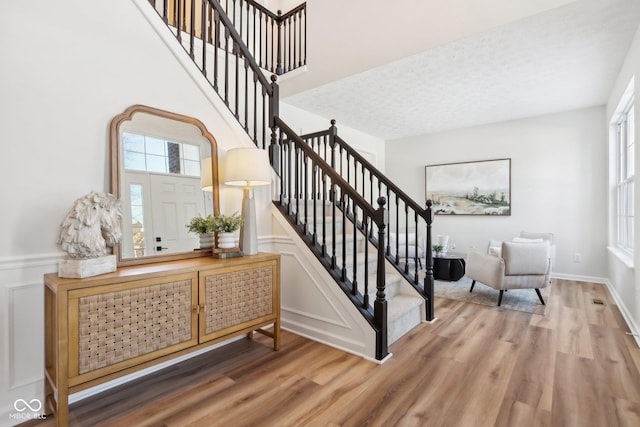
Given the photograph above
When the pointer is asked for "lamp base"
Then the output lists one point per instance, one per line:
(249, 230)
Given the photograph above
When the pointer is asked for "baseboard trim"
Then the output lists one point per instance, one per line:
(579, 278)
(633, 327)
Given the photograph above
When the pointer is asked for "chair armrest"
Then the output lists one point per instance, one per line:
(485, 268)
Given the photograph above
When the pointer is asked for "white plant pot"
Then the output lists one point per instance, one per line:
(207, 240)
(226, 240)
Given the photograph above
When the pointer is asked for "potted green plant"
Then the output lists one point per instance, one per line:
(226, 226)
(437, 249)
(205, 228)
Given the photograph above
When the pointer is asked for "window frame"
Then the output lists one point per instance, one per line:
(623, 122)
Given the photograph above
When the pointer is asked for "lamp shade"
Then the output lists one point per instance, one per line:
(206, 177)
(247, 167)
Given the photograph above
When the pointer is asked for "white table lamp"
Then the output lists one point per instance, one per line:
(248, 167)
(206, 176)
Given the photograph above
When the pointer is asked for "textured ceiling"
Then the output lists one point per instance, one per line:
(563, 59)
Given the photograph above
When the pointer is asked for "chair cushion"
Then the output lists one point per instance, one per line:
(544, 236)
(524, 240)
(525, 258)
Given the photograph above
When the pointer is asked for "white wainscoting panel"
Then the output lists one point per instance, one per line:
(22, 332)
(312, 304)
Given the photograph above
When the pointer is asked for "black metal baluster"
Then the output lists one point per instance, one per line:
(178, 19)
(314, 196)
(264, 115)
(388, 248)
(297, 183)
(354, 261)
(233, 20)
(397, 228)
(210, 26)
(343, 271)
(261, 51)
(324, 214)
(236, 112)
(365, 226)
(289, 192)
(192, 36)
(226, 66)
(255, 110)
(333, 225)
(406, 238)
(289, 67)
(416, 260)
(165, 11)
(300, 40)
(246, 95)
(255, 52)
(294, 41)
(279, 47)
(203, 26)
(216, 44)
(355, 185)
(282, 165)
(273, 45)
(306, 195)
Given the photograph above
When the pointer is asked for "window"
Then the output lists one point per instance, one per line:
(137, 219)
(624, 127)
(146, 153)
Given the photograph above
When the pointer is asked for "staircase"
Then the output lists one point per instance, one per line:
(335, 202)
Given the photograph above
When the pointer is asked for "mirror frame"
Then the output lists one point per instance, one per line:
(114, 145)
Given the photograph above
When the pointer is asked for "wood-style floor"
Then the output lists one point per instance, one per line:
(476, 366)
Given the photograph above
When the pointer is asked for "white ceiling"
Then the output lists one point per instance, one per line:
(562, 59)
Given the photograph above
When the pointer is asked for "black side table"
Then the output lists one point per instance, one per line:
(448, 266)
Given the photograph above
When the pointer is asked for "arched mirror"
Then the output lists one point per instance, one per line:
(164, 168)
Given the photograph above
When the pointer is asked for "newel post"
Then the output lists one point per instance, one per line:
(380, 304)
(428, 277)
(333, 132)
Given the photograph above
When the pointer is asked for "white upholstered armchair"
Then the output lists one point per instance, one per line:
(521, 265)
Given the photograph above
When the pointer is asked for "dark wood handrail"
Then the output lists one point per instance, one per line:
(293, 11)
(370, 167)
(248, 56)
(361, 202)
(383, 179)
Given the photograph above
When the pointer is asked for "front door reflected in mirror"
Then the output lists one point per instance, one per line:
(159, 158)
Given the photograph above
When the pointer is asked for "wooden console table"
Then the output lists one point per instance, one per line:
(103, 327)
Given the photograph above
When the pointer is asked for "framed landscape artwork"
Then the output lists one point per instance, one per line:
(470, 188)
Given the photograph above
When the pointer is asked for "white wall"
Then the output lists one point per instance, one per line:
(623, 281)
(67, 69)
(301, 121)
(558, 183)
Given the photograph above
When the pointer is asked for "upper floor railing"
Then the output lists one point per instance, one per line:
(277, 41)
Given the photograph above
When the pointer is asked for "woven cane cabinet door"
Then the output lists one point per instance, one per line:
(240, 298)
(126, 324)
